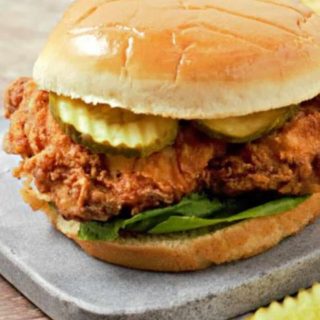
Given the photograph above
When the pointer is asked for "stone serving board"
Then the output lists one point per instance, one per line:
(67, 284)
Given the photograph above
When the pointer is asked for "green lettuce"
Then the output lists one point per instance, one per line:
(191, 213)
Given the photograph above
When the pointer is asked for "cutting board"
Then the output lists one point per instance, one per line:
(67, 284)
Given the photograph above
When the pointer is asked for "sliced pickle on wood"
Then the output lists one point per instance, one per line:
(247, 128)
(103, 129)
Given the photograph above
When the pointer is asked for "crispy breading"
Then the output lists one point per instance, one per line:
(88, 186)
(287, 161)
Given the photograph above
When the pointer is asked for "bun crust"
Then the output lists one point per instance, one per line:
(185, 59)
(176, 253)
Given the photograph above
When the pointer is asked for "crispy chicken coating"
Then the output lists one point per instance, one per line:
(286, 161)
(87, 186)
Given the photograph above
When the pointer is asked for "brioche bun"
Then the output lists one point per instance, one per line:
(184, 59)
(176, 253)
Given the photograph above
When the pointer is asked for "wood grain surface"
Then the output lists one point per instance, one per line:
(13, 306)
(24, 27)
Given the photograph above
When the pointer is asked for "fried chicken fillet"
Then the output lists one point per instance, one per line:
(86, 186)
(286, 161)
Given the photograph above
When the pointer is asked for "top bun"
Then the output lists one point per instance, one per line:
(186, 59)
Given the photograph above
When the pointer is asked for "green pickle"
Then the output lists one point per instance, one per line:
(103, 129)
(247, 128)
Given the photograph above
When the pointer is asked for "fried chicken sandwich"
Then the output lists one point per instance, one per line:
(172, 135)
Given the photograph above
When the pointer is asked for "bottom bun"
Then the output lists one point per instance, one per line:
(188, 252)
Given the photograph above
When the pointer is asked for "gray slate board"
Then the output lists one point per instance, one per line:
(67, 284)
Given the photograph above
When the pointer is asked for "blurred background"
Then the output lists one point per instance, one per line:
(24, 27)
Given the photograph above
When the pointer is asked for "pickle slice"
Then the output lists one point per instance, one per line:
(247, 128)
(305, 306)
(103, 129)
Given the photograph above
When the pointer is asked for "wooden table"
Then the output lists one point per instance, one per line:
(13, 306)
(24, 26)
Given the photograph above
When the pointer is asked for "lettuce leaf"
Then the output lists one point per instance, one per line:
(195, 205)
(100, 231)
(193, 212)
(178, 224)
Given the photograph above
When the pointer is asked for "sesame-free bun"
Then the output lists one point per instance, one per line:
(183, 252)
(184, 59)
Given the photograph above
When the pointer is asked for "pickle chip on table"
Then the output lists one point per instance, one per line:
(306, 306)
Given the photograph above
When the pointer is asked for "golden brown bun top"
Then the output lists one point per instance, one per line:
(185, 58)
